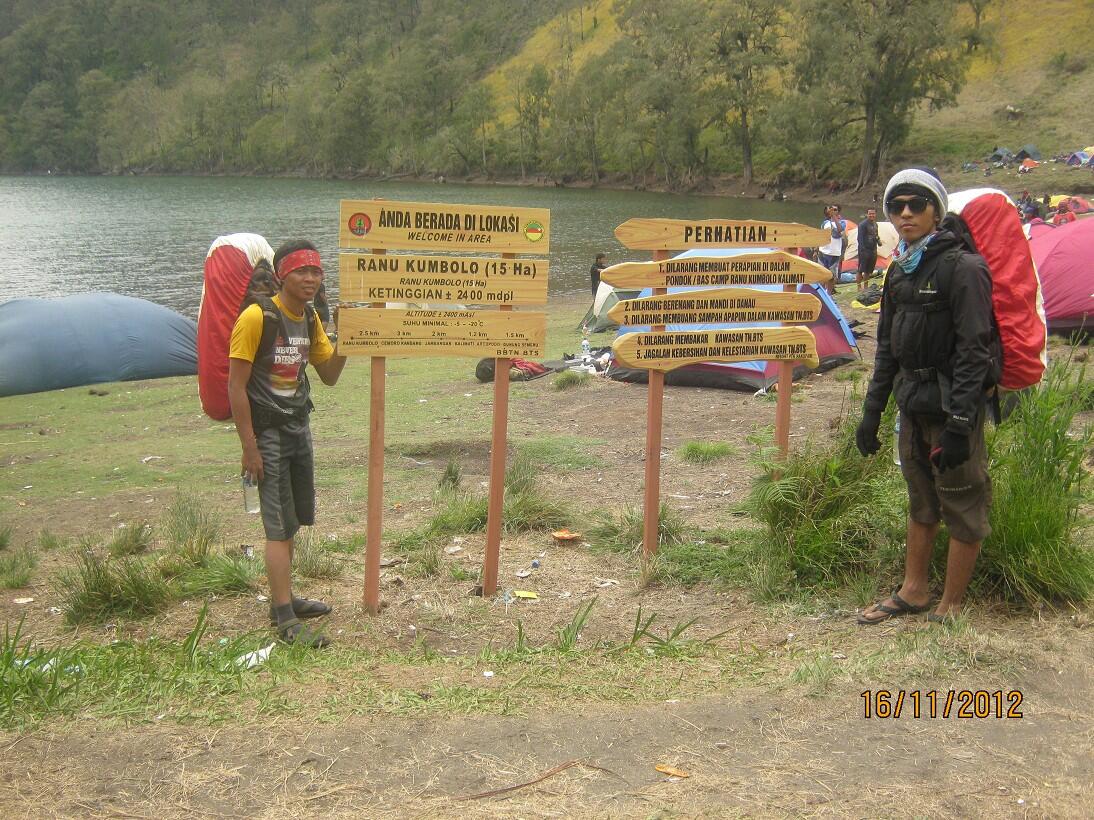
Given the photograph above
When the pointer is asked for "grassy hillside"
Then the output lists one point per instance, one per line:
(1043, 65)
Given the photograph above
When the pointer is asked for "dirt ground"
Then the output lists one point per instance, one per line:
(754, 738)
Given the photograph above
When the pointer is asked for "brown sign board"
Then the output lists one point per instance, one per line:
(477, 333)
(763, 268)
(669, 350)
(717, 306)
(388, 224)
(390, 277)
(664, 234)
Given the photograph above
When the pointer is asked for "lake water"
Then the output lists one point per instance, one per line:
(148, 236)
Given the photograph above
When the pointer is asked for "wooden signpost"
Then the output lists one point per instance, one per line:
(378, 331)
(700, 307)
(447, 279)
(659, 351)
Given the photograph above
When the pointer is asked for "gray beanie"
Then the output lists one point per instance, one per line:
(922, 181)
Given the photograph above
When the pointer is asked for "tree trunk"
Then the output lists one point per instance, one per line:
(746, 146)
(868, 170)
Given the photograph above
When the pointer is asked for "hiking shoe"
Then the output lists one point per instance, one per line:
(303, 608)
(295, 633)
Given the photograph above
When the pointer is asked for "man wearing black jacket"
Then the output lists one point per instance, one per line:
(938, 354)
(867, 248)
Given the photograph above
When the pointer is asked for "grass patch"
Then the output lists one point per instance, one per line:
(569, 379)
(130, 540)
(622, 531)
(220, 575)
(47, 541)
(704, 452)
(190, 530)
(98, 588)
(5, 536)
(17, 567)
(313, 559)
(561, 452)
(1040, 549)
(830, 514)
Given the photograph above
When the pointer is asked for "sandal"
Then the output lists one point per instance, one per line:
(303, 608)
(902, 608)
(935, 618)
(293, 632)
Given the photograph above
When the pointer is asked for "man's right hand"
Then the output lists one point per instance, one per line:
(866, 435)
(252, 462)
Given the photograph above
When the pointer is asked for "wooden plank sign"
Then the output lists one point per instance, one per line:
(477, 333)
(659, 234)
(473, 280)
(763, 268)
(718, 305)
(667, 351)
(384, 224)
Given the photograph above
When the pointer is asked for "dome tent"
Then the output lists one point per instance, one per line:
(835, 343)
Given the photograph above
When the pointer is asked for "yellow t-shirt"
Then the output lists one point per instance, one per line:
(278, 378)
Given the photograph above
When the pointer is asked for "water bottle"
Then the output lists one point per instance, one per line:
(896, 441)
(250, 494)
(586, 351)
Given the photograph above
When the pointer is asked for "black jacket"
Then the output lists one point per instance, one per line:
(867, 238)
(937, 350)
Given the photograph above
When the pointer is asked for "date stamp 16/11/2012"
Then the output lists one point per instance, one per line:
(964, 704)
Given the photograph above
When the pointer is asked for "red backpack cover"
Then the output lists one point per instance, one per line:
(228, 267)
(1016, 295)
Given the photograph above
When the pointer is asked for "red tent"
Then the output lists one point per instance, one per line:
(1065, 261)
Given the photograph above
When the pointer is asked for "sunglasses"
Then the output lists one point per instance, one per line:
(918, 204)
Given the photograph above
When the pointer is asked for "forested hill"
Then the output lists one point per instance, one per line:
(651, 91)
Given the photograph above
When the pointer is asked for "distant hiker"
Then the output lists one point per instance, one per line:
(867, 248)
(832, 251)
(937, 353)
(1064, 213)
(270, 399)
(594, 272)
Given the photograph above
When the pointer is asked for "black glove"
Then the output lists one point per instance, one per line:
(866, 435)
(952, 451)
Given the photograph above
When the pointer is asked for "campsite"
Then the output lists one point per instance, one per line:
(614, 514)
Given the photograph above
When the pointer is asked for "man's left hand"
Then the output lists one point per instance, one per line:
(953, 450)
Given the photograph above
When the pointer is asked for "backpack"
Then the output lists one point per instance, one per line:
(238, 273)
(987, 221)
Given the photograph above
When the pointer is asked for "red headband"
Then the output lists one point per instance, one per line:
(298, 259)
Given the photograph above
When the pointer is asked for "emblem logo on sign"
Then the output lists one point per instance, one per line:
(360, 224)
(533, 231)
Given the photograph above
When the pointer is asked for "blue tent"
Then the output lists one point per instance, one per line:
(1079, 158)
(835, 342)
(89, 338)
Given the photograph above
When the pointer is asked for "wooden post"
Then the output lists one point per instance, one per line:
(498, 438)
(782, 400)
(655, 396)
(375, 505)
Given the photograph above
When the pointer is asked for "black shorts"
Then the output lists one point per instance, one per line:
(287, 489)
(867, 262)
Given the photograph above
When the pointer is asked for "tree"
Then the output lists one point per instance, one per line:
(745, 52)
(877, 61)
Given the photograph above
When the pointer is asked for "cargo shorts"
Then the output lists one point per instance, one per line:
(960, 496)
(286, 492)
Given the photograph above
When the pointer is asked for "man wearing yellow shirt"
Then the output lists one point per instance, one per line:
(270, 401)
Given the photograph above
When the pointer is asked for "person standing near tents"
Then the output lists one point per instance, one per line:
(594, 272)
(867, 248)
(270, 400)
(832, 252)
(937, 353)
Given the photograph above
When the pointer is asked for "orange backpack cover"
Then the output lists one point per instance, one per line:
(992, 219)
(228, 267)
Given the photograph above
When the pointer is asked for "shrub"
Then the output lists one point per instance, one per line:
(130, 540)
(190, 531)
(1039, 549)
(312, 559)
(220, 575)
(623, 531)
(569, 379)
(5, 536)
